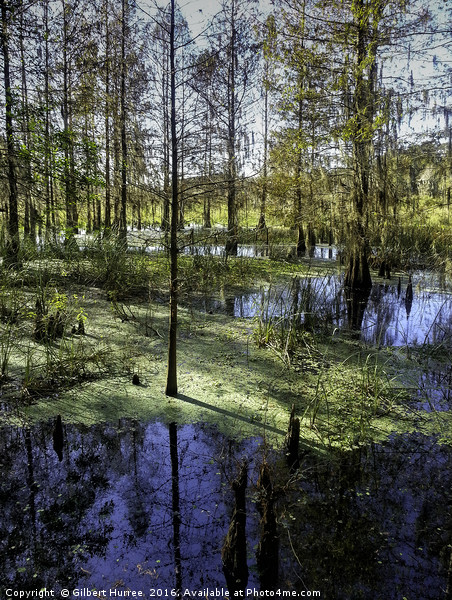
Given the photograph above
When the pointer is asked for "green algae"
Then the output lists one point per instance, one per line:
(345, 394)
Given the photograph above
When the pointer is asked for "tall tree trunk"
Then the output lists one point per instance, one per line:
(68, 142)
(171, 382)
(13, 215)
(117, 157)
(207, 221)
(165, 224)
(123, 214)
(358, 272)
(301, 240)
(261, 224)
(107, 223)
(49, 213)
(29, 211)
(232, 236)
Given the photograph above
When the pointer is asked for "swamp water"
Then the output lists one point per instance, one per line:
(389, 316)
(147, 506)
(386, 317)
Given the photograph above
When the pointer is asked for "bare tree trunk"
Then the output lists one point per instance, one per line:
(123, 214)
(29, 211)
(207, 221)
(165, 224)
(171, 382)
(68, 151)
(49, 212)
(262, 224)
(232, 237)
(107, 223)
(13, 216)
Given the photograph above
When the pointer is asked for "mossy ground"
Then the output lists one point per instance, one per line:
(345, 393)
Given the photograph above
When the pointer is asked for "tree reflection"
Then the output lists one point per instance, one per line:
(58, 440)
(356, 300)
(233, 554)
(175, 505)
(368, 523)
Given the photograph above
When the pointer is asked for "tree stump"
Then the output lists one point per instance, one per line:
(233, 554)
(57, 435)
(268, 547)
(293, 440)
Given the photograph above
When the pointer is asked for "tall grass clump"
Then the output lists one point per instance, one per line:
(288, 318)
(284, 319)
(108, 263)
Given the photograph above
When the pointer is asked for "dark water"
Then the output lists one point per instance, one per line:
(103, 506)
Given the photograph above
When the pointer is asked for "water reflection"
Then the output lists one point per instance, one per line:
(385, 317)
(434, 388)
(356, 302)
(144, 506)
(384, 509)
(58, 441)
(151, 241)
(175, 493)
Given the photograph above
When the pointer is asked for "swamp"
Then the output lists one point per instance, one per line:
(225, 299)
(108, 483)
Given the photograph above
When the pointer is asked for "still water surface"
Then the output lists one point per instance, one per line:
(98, 511)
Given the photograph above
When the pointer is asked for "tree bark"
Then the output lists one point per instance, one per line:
(261, 223)
(232, 236)
(13, 216)
(70, 200)
(358, 272)
(107, 223)
(123, 213)
(171, 381)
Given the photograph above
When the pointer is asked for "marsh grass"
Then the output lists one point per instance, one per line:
(288, 316)
(344, 393)
(42, 343)
(347, 398)
(53, 368)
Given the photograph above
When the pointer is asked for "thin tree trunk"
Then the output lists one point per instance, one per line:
(29, 212)
(232, 237)
(171, 382)
(107, 223)
(13, 215)
(207, 221)
(262, 224)
(301, 241)
(50, 216)
(123, 214)
(68, 153)
(165, 224)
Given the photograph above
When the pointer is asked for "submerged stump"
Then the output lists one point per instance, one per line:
(233, 554)
(293, 440)
(267, 553)
(58, 441)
